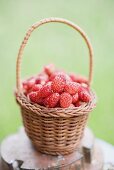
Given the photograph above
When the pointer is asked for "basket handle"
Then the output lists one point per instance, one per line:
(36, 25)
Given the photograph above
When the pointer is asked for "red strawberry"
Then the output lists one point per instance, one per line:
(41, 78)
(43, 74)
(65, 100)
(58, 73)
(58, 105)
(72, 87)
(78, 78)
(84, 96)
(49, 69)
(58, 83)
(72, 105)
(40, 101)
(25, 86)
(36, 87)
(28, 84)
(52, 100)
(46, 101)
(46, 90)
(85, 86)
(33, 96)
(78, 103)
(75, 98)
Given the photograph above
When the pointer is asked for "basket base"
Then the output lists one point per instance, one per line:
(51, 151)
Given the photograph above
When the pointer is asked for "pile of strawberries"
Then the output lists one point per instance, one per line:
(52, 88)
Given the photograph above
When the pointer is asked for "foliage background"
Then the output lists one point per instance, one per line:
(59, 44)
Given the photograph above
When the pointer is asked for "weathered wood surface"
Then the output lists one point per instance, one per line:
(18, 153)
(87, 145)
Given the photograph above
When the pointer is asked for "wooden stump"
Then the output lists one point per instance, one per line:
(18, 153)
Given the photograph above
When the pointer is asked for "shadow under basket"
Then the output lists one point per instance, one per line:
(54, 131)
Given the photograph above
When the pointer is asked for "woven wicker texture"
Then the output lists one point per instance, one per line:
(53, 130)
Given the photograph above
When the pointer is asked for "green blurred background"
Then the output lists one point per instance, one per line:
(59, 44)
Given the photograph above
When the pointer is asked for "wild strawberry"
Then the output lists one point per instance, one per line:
(25, 86)
(75, 98)
(40, 101)
(84, 96)
(52, 100)
(46, 101)
(33, 97)
(28, 84)
(72, 105)
(85, 86)
(58, 73)
(78, 103)
(49, 83)
(46, 90)
(78, 78)
(49, 69)
(36, 87)
(58, 105)
(41, 78)
(58, 83)
(72, 87)
(65, 100)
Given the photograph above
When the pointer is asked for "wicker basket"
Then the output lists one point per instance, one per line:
(53, 130)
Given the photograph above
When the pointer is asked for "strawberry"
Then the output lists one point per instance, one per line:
(46, 101)
(25, 86)
(49, 69)
(52, 100)
(78, 78)
(33, 97)
(78, 103)
(46, 90)
(58, 105)
(40, 101)
(58, 83)
(85, 86)
(41, 78)
(75, 98)
(36, 87)
(57, 73)
(65, 100)
(72, 105)
(84, 96)
(28, 84)
(72, 87)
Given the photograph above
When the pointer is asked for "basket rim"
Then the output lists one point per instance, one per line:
(85, 108)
